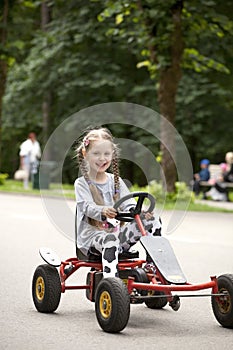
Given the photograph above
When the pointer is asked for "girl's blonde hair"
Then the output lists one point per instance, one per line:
(85, 144)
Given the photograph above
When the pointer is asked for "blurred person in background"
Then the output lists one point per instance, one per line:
(203, 175)
(30, 154)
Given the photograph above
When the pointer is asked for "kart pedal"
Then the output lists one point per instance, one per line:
(50, 257)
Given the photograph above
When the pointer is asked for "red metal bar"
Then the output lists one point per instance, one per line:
(171, 287)
(80, 263)
(97, 265)
(130, 263)
(76, 263)
(140, 225)
(77, 287)
(215, 287)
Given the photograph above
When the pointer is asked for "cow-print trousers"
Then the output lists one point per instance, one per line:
(110, 244)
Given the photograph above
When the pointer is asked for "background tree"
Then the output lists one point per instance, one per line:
(19, 24)
(75, 61)
(105, 51)
(46, 16)
(167, 34)
(4, 7)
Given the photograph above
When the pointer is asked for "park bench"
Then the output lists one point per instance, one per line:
(214, 172)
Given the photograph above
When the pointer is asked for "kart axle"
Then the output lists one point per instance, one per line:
(145, 297)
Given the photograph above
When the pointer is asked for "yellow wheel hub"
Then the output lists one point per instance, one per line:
(105, 304)
(40, 288)
(224, 303)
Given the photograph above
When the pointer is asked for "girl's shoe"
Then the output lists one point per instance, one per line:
(150, 268)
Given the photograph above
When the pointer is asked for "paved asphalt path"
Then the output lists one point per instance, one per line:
(203, 243)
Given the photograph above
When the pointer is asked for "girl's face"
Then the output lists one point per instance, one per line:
(99, 155)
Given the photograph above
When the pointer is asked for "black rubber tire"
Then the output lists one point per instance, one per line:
(223, 306)
(112, 305)
(46, 288)
(96, 279)
(139, 274)
(156, 303)
(88, 281)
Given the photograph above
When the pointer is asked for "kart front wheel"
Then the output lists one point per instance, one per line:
(223, 305)
(112, 305)
(46, 288)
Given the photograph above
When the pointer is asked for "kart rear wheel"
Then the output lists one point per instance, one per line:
(139, 275)
(112, 305)
(46, 288)
(156, 303)
(223, 306)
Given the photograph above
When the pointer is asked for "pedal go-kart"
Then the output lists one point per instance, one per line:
(113, 296)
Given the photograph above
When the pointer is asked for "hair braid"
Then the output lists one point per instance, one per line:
(115, 170)
(82, 164)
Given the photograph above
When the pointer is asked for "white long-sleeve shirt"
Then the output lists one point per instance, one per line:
(86, 207)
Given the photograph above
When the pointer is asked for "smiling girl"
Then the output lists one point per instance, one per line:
(96, 192)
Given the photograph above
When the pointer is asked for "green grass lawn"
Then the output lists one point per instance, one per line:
(54, 189)
(67, 191)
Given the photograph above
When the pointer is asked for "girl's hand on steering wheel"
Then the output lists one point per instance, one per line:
(109, 212)
(147, 215)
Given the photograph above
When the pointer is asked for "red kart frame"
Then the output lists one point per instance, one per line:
(112, 296)
(158, 283)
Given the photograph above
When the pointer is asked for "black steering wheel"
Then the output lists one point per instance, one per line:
(129, 216)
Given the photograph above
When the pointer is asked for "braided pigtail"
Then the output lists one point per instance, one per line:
(83, 166)
(116, 174)
(115, 170)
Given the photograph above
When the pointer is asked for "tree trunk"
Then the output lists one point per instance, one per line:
(168, 85)
(45, 15)
(47, 100)
(3, 67)
(46, 118)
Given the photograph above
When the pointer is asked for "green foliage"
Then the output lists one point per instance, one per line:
(203, 102)
(3, 178)
(102, 51)
(199, 63)
(182, 192)
(148, 27)
(76, 62)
